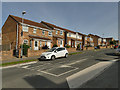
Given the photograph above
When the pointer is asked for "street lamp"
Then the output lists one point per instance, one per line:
(24, 12)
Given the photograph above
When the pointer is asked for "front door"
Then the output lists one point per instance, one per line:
(61, 43)
(35, 45)
(49, 44)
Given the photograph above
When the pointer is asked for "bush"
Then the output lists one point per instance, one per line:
(55, 45)
(45, 47)
(67, 46)
(78, 46)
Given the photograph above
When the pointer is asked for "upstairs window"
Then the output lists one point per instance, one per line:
(56, 32)
(50, 33)
(43, 32)
(25, 28)
(61, 32)
(69, 34)
(34, 30)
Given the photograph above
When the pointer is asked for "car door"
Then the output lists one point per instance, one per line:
(58, 52)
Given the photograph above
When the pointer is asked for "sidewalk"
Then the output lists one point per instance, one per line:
(26, 58)
(32, 58)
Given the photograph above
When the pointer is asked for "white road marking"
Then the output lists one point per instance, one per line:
(82, 60)
(77, 79)
(18, 65)
(58, 74)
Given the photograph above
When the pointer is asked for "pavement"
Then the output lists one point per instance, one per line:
(57, 73)
(26, 58)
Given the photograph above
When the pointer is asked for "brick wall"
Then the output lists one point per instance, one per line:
(9, 32)
(71, 49)
(88, 48)
(7, 54)
(35, 52)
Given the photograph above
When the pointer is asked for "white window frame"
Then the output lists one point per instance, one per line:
(61, 32)
(50, 33)
(43, 31)
(69, 34)
(34, 30)
(25, 28)
(40, 43)
(56, 32)
(26, 42)
(69, 42)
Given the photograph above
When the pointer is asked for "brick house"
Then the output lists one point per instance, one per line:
(36, 35)
(58, 34)
(69, 37)
(108, 40)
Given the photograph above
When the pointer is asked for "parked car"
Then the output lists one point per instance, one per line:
(55, 52)
(118, 50)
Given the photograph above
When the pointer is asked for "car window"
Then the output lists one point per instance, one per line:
(60, 49)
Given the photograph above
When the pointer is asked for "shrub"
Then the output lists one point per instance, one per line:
(55, 45)
(67, 46)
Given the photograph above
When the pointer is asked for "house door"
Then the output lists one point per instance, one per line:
(35, 45)
(49, 44)
(61, 43)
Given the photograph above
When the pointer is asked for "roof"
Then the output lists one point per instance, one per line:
(54, 26)
(38, 37)
(29, 22)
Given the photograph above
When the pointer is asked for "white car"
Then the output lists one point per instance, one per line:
(118, 50)
(55, 52)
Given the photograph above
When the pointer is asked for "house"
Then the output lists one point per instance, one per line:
(58, 34)
(108, 40)
(64, 37)
(34, 34)
(90, 39)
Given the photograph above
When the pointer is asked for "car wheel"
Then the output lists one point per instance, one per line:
(52, 57)
(66, 55)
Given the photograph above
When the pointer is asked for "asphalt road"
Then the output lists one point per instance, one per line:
(53, 74)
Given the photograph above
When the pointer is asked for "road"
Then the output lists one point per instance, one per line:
(57, 73)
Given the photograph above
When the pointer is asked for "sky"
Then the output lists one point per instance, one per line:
(85, 17)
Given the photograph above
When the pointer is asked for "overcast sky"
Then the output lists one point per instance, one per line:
(86, 17)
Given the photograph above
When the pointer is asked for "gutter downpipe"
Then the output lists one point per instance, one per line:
(17, 41)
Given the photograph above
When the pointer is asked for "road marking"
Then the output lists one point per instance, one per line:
(59, 74)
(82, 60)
(77, 79)
(18, 65)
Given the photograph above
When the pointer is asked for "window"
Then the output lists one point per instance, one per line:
(85, 38)
(60, 49)
(34, 30)
(25, 41)
(36, 44)
(25, 28)
(40, 44)
(45, 43)
(56, 31)
(69, 42)
(43, 32)
(91, 39)
(30, 43)
(80, 37)
(60, 42)
(61, 32)
(69, 34)
(50, 33)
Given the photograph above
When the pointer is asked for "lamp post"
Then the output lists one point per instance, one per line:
(24, 12)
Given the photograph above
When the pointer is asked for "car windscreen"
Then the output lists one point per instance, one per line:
(51, 50)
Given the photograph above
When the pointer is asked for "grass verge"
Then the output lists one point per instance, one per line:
(16, 62)
(75, 53)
